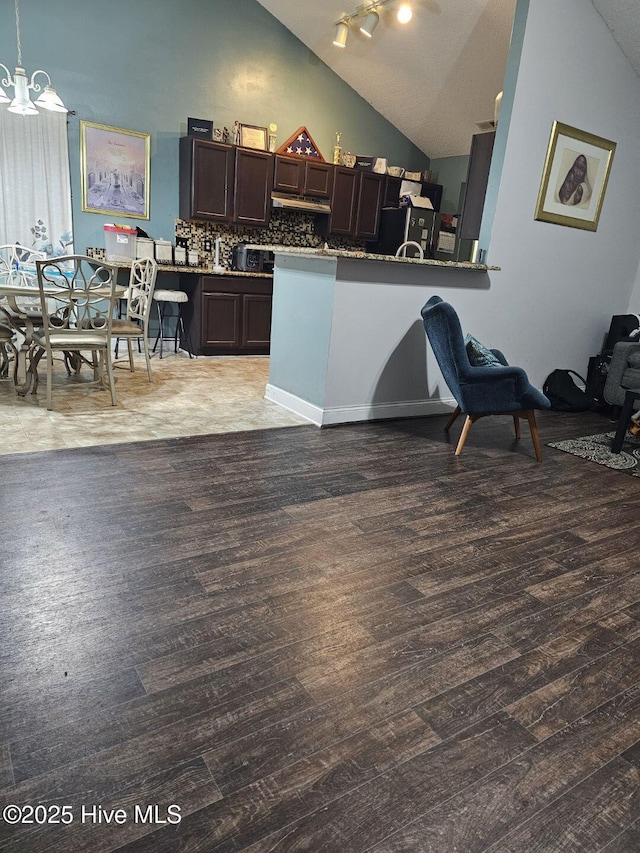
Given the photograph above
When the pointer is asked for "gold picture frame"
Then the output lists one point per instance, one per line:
(574, 179)
(115, 169)
(252, 136)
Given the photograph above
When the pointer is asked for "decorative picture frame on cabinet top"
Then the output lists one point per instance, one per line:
(574, 179)
(252, 136)
(301, 144)
(115, 168)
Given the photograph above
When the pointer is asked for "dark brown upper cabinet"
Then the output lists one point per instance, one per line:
(302, 176)
(344, 201)
(252, 187)
(206, 179)
(370, 190)
(476, 185)
(391, 193)
(288, 174)
(318, 179)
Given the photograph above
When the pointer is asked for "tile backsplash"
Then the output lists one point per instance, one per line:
(286, 228)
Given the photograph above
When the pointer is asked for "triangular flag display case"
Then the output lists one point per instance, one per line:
(301, 144)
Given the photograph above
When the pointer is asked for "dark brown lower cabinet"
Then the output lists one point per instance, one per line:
(228, 315)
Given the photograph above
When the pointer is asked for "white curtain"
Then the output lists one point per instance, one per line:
(35, 185)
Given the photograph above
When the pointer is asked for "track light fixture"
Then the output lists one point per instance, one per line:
(369, 12)
(342, 33)
(369, 24)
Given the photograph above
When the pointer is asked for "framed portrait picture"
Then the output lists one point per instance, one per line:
(251, 136)
(115, 165)
(575, 177)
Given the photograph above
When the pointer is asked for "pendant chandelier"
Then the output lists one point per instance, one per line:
(21, 103)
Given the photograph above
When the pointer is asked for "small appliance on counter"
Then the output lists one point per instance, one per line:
(248, 259)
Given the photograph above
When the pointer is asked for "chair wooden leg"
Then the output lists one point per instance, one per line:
(112, 382)
(452, 419)
(531, 417)
(516, 424)
(147, 356)
(465, 432)
(49, 379)
(34, 360)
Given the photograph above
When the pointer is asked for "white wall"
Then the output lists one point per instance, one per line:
(634, 302)
(551, 304)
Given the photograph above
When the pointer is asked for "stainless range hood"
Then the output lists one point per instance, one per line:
(294, 202)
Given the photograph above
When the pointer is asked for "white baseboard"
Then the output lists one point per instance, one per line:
(354, 414)
(294, 404)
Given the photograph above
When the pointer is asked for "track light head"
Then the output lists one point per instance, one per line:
(369, 24)
(342, 33)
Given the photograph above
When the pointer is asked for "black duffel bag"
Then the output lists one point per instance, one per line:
(564, 394)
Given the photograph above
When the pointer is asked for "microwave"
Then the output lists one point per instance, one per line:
(251, 260)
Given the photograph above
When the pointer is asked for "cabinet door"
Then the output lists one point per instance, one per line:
(256, 320)
(391, 195)
(253, 183)
(476, 189)
(318, 179)
(369, 204)
(206, 179)
(344, 199)
(221, 319)
(288, 174)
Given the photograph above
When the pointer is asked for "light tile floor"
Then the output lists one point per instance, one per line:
(187, 397)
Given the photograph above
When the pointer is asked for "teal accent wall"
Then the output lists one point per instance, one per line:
(451, 172)
(147, 65)
(303, 299)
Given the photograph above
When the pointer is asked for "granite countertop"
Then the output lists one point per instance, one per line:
(360, 255)
(99, 254)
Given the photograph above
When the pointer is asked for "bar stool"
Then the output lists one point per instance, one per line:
(163, 299)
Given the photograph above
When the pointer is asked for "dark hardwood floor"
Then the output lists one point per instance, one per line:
(338, 640)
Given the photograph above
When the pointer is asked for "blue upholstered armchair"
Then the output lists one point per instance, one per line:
(496, 389)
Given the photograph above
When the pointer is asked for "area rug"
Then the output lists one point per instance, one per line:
(597, 448)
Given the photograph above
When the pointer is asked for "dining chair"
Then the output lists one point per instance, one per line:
(139, 298)
(7, 345)
(17, 269)
(78, 296)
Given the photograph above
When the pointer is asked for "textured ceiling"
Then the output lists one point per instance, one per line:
(623, 19)
(432, 78)
(437, 76)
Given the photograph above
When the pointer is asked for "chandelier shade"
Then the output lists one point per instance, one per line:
(22, 103)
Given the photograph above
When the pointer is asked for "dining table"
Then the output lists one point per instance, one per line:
(22, 317)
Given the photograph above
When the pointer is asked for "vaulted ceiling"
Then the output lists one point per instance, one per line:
(436, 77)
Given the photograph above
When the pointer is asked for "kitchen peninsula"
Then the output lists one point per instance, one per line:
(347, 340)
